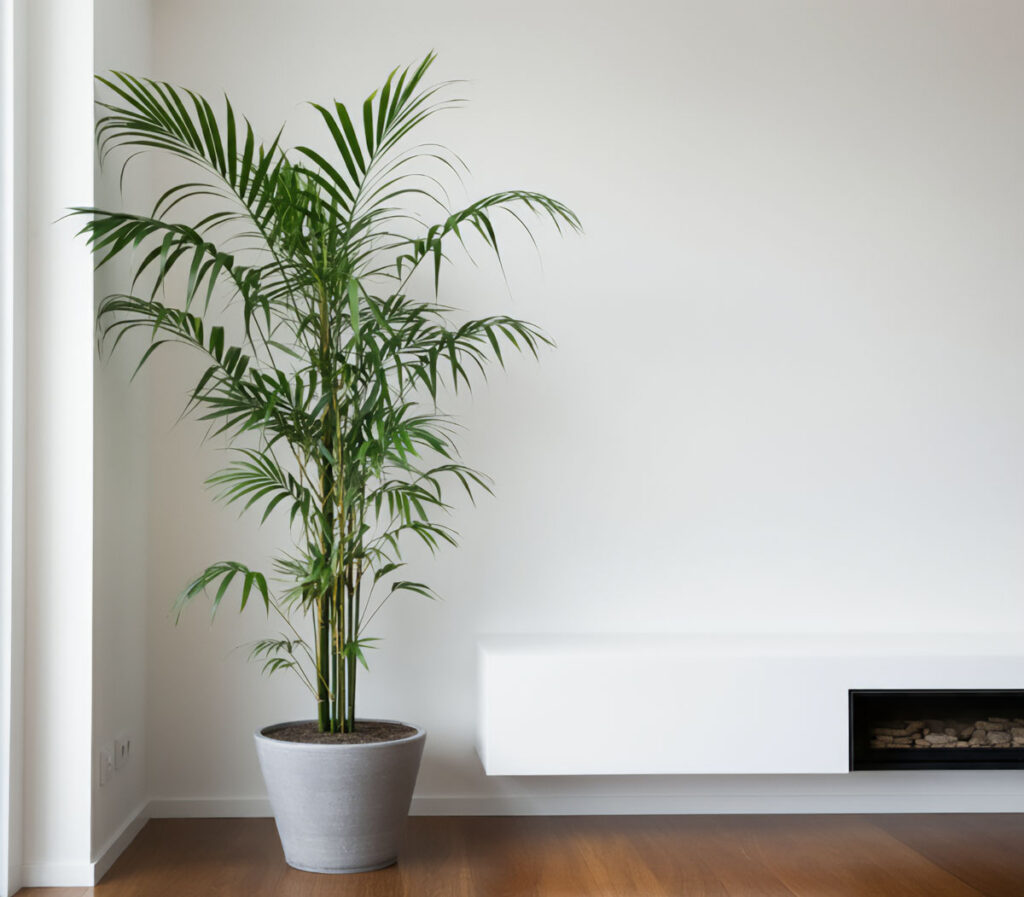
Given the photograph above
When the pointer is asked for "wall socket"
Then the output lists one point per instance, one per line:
(106, 763)
(122, 750)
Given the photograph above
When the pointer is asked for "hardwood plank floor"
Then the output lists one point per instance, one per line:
(988, 856)
(597, 856)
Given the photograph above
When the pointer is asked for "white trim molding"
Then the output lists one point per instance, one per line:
(56, 875)
(67, 875)
(927, 792)
(110, 851)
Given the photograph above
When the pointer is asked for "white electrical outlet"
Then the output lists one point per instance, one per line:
(106, 763)
(122, 750)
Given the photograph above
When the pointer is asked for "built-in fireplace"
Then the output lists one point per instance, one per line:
(937, 729)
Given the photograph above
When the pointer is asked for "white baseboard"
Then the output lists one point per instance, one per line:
(641, 805)
(124, 836)
(81, 875)
(57, 875)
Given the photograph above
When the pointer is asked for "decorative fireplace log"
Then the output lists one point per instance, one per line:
(993, 732)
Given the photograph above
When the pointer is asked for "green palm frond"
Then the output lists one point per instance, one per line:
(257, 476)
(225, 572)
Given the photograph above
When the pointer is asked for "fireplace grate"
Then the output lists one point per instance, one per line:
(936, 729)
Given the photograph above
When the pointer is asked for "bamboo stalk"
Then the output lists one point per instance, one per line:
(339, 668)
(327, 487)
(353, 667)
(323, 670)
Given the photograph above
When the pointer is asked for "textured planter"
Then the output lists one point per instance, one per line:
(340, 807)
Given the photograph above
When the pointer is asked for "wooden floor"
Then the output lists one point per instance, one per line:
(596, 856)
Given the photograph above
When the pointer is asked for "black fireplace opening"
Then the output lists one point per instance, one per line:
(937, 729)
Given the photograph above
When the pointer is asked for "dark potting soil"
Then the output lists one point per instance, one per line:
(369, 732)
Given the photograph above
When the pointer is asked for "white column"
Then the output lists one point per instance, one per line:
(12, 269)
(58, 465)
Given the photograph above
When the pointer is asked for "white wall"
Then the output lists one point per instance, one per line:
(786, 394)
(122, 41)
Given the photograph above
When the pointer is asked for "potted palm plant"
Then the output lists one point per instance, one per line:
(292, 278)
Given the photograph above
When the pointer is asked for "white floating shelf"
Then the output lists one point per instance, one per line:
(705, 704)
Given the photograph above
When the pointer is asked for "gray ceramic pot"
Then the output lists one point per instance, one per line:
(340, 807)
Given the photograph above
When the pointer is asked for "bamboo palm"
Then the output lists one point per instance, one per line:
(325, 375)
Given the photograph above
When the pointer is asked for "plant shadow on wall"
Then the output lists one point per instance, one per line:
(328, 396)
